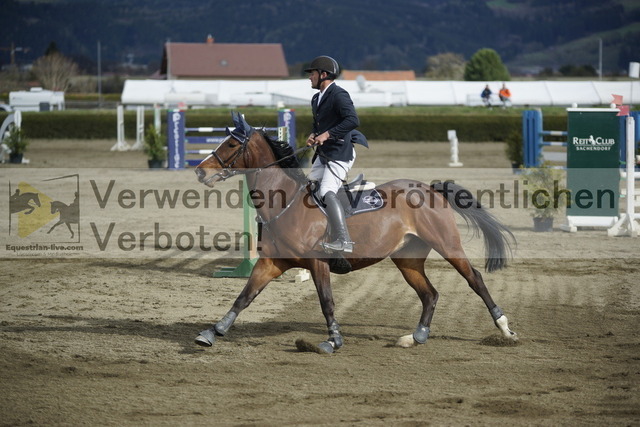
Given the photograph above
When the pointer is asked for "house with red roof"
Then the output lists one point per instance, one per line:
(213, 61)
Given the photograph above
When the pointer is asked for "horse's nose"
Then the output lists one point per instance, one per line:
(200, 173)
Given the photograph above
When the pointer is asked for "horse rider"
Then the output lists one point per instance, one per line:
(334, 123)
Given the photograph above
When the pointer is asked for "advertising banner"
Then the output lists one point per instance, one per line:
(175, 139)
(593, 162)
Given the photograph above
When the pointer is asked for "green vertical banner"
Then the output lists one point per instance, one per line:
(250, 251)
(593, 162)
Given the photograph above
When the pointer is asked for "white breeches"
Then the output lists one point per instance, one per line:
(331, 175)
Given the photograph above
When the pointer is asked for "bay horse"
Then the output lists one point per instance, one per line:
(404, 230)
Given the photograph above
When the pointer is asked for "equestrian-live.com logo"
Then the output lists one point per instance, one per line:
(45, 211)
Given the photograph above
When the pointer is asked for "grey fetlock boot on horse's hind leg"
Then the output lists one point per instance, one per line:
(335, 212)
(335, 339)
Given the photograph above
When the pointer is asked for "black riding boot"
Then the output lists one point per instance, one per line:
(342, 242)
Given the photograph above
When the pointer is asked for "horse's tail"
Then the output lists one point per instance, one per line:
(497, 237)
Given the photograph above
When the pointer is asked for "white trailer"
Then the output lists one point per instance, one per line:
(37, 99)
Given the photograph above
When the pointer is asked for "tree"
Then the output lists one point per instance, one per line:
(55, 71)
(486, 65)
(445, 66)
(570, 70)
(51, 49)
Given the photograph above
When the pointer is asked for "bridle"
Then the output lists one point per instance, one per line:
(227, 170)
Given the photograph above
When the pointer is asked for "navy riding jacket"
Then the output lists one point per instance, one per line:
(337, 115)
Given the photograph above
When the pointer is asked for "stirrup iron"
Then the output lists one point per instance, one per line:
(338, 246)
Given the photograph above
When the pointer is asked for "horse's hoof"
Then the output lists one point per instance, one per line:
(206, 338)
(503, 324)
(406, 341)
(511, 335)
(326, 347)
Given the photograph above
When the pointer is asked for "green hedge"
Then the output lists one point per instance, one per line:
(434, 128)
(75, 124)
(94, 124)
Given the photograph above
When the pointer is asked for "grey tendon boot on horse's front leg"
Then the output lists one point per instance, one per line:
(335, 212)
(207, 337)
(421, 333)
(419, 336)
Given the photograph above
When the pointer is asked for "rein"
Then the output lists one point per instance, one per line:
(295, 153)
(227, 172)
(286, 208)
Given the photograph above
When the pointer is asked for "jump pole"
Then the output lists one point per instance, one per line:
(453, 141)
(626, 225)
(178, 141)
(250, 249)
(16, 119)
(156, 117)
(121, 144)
(533, 142)
(139, 145)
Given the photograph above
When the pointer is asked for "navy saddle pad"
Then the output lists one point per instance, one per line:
(354, 201)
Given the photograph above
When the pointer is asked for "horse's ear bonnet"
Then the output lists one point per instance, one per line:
(242, 131)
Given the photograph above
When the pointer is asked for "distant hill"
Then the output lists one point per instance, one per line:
(372, 34)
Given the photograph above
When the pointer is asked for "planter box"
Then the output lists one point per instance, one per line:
(15, 158)
(542, 224)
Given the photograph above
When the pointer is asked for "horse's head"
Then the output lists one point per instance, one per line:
(234, 155)
(55, 207)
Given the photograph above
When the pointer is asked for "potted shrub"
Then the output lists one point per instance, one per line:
(155, 147)
(545, 194)
(513, 150)
(17, 143)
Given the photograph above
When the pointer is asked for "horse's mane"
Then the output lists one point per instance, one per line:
(282, 150)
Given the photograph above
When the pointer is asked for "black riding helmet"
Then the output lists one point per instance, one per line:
(326, 64)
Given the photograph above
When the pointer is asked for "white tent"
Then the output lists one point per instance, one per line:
(271, 93)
